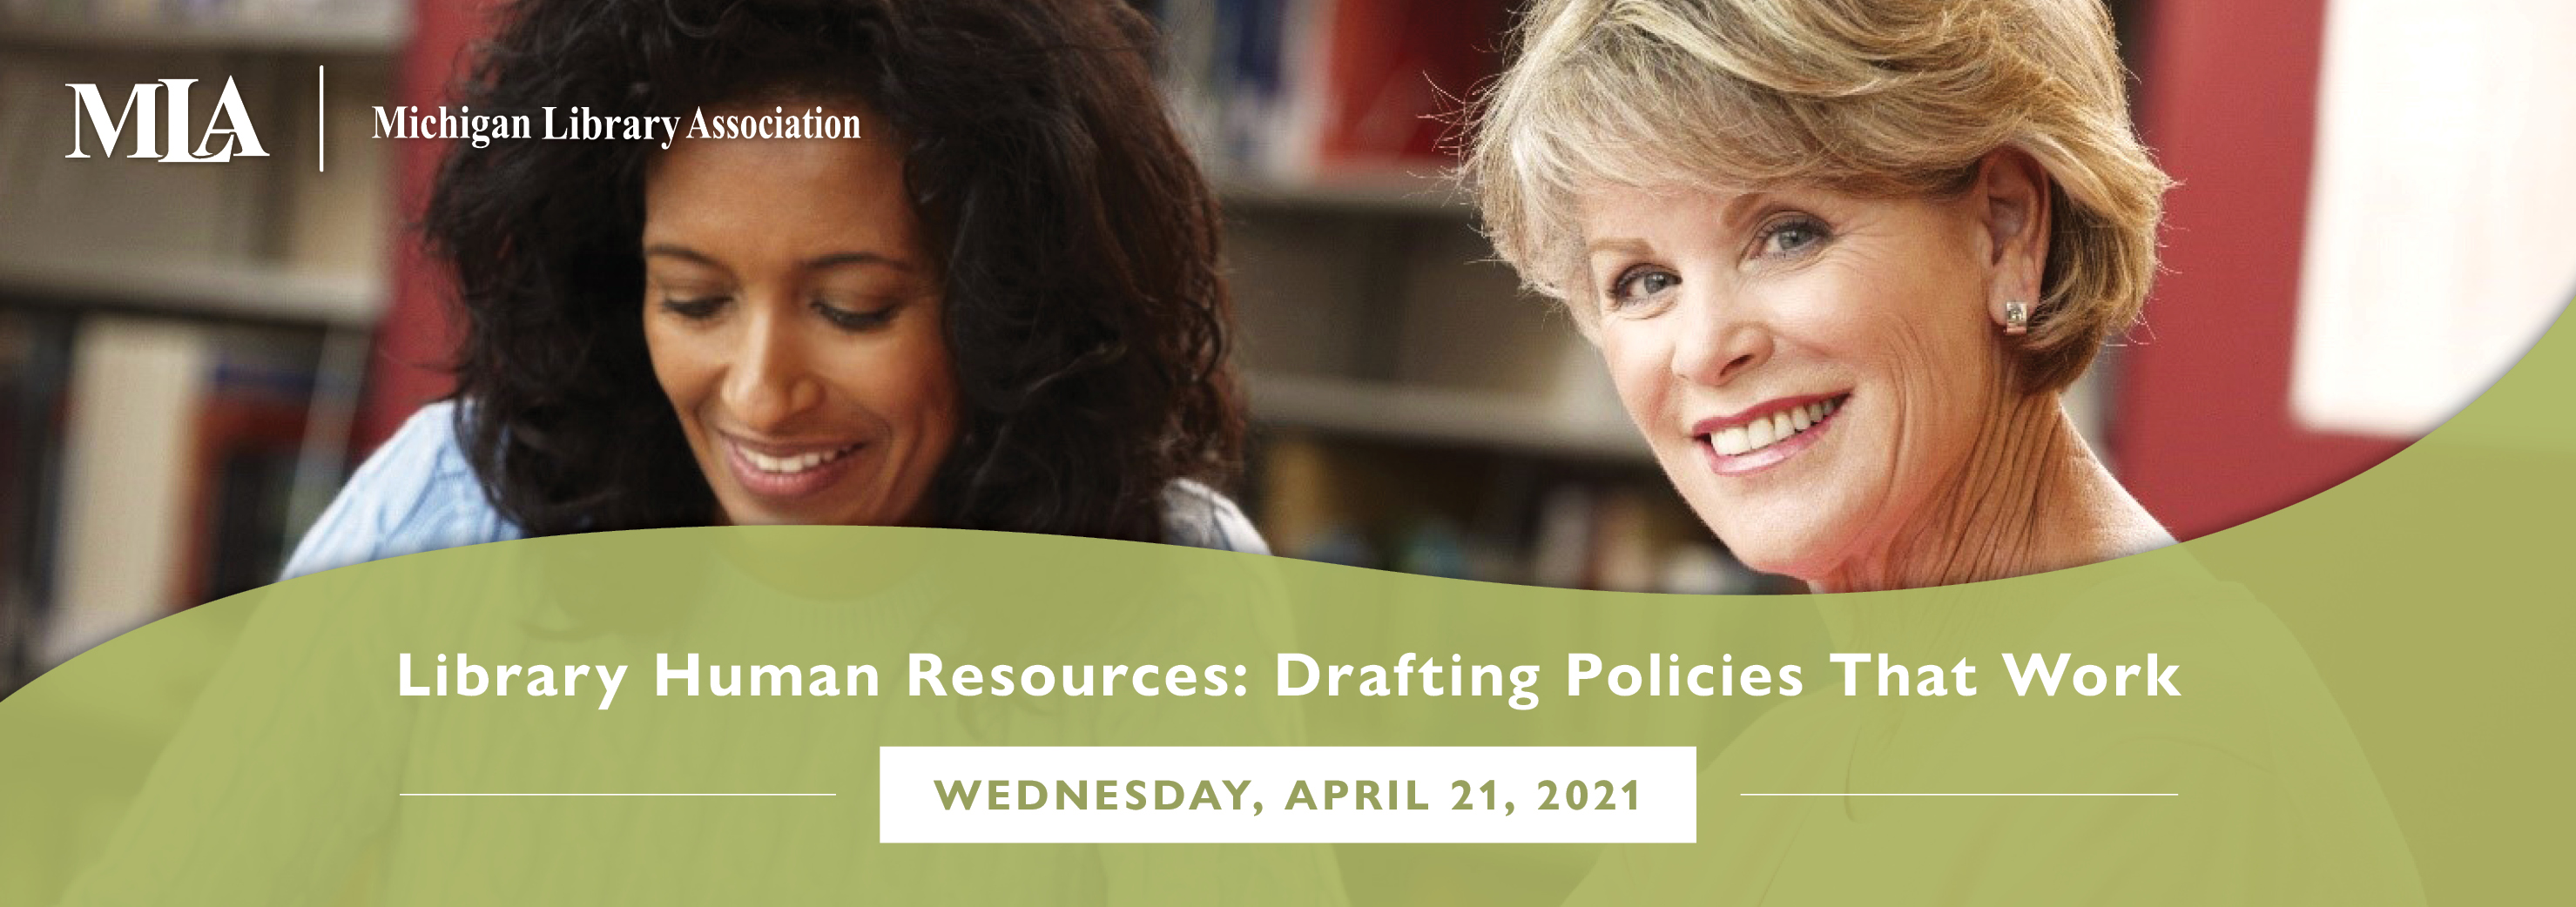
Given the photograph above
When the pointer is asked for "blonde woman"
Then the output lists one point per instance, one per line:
(1841, 258)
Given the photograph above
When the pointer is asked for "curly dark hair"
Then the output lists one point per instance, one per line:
(1078, 243)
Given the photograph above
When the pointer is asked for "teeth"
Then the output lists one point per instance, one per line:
(790, 465)
(1730, 441)
(1773, 429)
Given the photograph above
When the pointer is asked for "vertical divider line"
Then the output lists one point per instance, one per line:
(321, 138)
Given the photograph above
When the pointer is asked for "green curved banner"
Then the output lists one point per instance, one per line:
(2356, 700)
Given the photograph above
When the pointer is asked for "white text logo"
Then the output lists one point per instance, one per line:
(141, 110)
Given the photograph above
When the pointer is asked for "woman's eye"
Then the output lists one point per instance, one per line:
(1792, 236)
(1640, 284)
(851, 319)
(697, 308)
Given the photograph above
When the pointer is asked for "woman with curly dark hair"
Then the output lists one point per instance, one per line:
(996, 307)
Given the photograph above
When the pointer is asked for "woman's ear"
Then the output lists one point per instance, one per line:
(2011, 194)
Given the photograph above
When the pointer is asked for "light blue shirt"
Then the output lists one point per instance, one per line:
(417, 493)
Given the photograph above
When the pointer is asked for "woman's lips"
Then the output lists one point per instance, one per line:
(1765, 435)
(787, 472)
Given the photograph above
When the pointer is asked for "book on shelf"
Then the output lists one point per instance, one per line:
(176, 453)
(1482, 515)
(34, 351)
(134, 386)
(250, 435)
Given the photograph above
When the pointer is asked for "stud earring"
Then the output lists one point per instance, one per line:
(2016, 319)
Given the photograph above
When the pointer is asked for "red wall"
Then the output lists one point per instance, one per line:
(2201, 427)
(414, 341)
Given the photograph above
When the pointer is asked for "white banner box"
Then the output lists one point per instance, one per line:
(1277, 795)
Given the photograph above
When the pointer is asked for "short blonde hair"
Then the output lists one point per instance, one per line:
(1876, 97)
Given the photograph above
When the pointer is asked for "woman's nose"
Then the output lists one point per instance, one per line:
(1719, 340)
(770, 381)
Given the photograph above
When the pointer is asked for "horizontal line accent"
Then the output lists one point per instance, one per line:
(617, 795)
(1957, 795)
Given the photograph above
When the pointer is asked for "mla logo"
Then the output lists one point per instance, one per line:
(141, 110)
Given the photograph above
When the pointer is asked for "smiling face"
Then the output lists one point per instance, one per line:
(1810, 368)
(794, 321)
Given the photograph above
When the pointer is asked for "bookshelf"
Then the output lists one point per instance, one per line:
(183, 344)
(250, 291)
(1414, 410)
(1494, 420)
(1407, 195)
(362, 38)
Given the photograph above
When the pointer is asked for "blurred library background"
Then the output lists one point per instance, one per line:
(192, 359)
